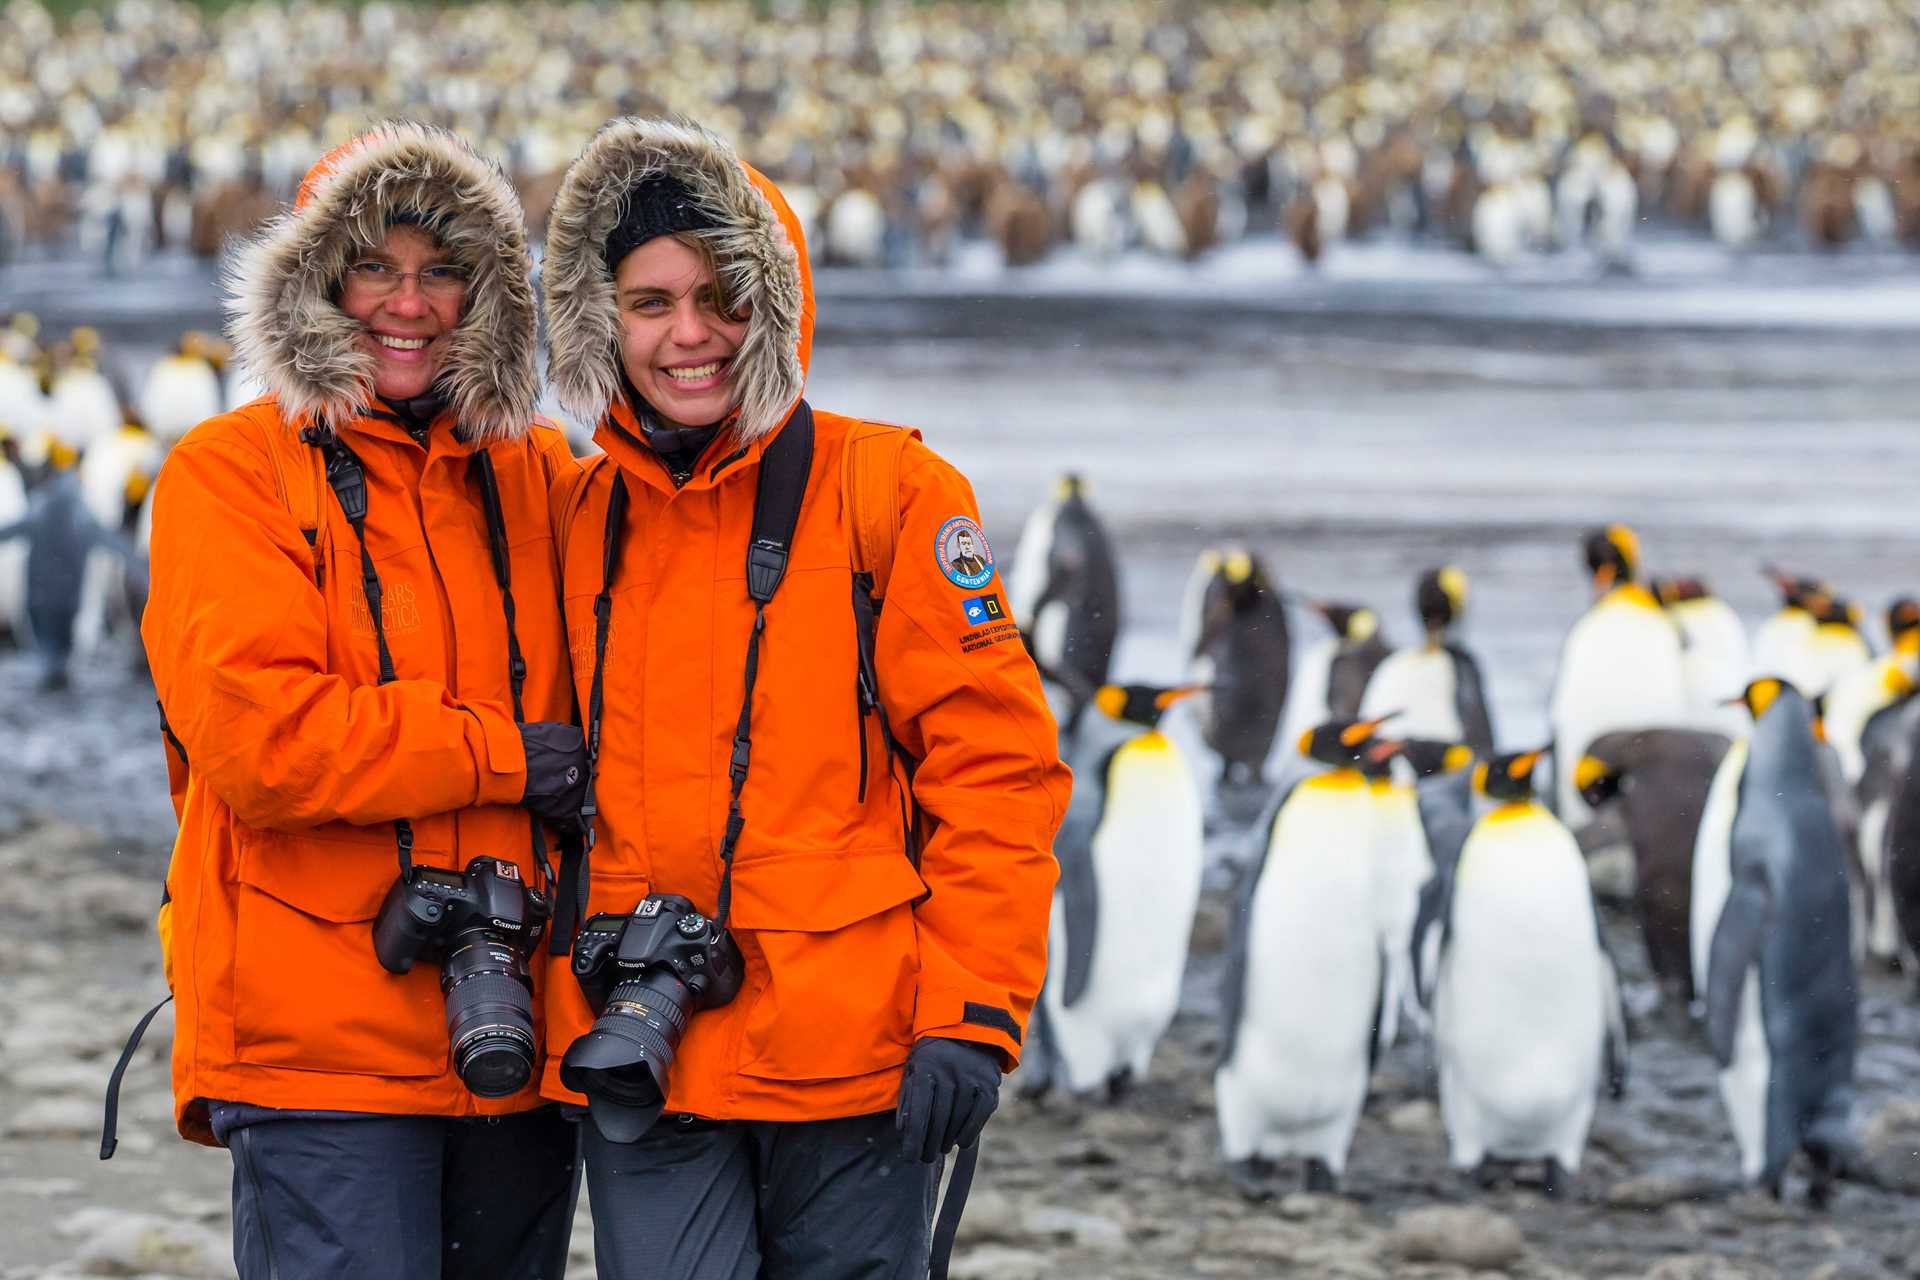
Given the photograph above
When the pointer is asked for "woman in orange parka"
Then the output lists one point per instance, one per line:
(391, 315)
(881, 1001)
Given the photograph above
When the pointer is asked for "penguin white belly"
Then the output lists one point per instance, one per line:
(1851, 702)
(1715, 662)
(1781, 648)
(1050, 634)
(1147, 856)
(1883, 926)
(1744, 1081)
(1307, 695)
(83, 408)
(1833, 654)
(1402, 863)
(1421, 685)
(1713, 859)
(13, 552)
(1621, 668)
(23, 409)
(1028, 580)
(1298, 1075)
(1733, 209)
(1518, 1018)
(179, 394)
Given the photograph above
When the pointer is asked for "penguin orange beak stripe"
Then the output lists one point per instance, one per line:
(1458, 757)
(1588, 772)
(1520, 766)
(1171, 696)
(1359, 731)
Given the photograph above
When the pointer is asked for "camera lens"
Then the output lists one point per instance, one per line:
(489, 1014)
(622, 1063)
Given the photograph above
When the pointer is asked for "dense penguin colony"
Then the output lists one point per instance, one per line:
(907, 134)
(1405, 878)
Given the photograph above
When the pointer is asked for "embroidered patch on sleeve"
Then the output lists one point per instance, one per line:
(983, 609)
(963, 554)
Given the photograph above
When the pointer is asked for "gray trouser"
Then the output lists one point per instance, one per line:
(330, 1195)
(759, 1200)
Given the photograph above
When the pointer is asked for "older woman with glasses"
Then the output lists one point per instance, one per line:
(356, 638)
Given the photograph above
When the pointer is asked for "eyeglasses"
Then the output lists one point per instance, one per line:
(379, 279)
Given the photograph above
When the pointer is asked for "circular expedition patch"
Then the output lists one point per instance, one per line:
(963, 553)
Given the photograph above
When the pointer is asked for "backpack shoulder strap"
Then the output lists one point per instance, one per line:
(870, 488)
(563, 527)
(297, 480)
(776, 504)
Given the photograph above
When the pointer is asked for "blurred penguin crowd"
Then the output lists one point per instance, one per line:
(1748, 797)
(903, 132)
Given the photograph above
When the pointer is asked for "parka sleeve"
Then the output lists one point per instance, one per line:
(964, 699)
(236, 635)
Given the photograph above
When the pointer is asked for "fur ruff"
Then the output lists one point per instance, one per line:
(289, 334)
(751, 246)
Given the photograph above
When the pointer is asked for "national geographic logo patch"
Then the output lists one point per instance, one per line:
(399, 611)
(998, 633)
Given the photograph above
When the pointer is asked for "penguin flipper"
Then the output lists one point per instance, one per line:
(1377, 1043)
(1446, 817)
(1470, 702)
(1433, 906)
(1079, 885)
(1735, 951)
(1617, 1042)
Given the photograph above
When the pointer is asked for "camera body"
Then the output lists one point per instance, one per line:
(644, 974)
(479, 926)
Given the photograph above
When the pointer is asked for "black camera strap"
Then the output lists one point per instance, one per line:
(482, 468)
(776, 513)
(347, 477)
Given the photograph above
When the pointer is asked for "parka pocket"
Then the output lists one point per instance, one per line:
(833, 962)
(309, 994)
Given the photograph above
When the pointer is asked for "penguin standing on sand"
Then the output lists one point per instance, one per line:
(1879, 699)
(59, 534)
(1715, 652)
(1304, 976)
(1621, 666)
(1660, 778)
(1065, 586)
(1782, 998)
(1526, 1015)
(1130, 853)
(1239, 655)
(1436, 690)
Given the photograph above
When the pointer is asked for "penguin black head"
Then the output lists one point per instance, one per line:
(1342, 743)
(1810, 594)
(1508, 777)
(1428, 756)
(1613, 555)
(1832, 611)
(1441, 597)
(1070, 485)
(1903, 623)
(1245, 579)
(1141, 704)
(1353, 623)
(1672, 590)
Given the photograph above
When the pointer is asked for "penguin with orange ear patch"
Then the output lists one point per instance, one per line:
(1130, 851)
(1526, 1015)
(1305, 974)
(1621, 666)
(1777, 972)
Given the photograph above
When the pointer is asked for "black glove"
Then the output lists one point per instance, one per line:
(949, 1089)
(556, 770)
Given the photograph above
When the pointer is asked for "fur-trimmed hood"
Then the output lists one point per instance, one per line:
(758, 245)
(287, 331)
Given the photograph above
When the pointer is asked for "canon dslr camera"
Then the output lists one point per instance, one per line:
(643, 974)
(479, 926)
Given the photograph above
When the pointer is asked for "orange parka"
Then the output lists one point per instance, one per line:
(290, 760)
(851, 953)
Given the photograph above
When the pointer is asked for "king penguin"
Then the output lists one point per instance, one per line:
(1777, 971)
(1065, 584)
(1837, 647)
(1526, 1017)
(1130, 853)
(1782, 646)
(1660, 779)
(1335, 669)
(1621, 666)
(1436, 690)
(1715, 652)
(1305, 976)
(13, 555)
(1239, 656)
(182, 389)
(1869, 719)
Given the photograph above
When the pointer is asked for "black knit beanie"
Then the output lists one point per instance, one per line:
(657, 205)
